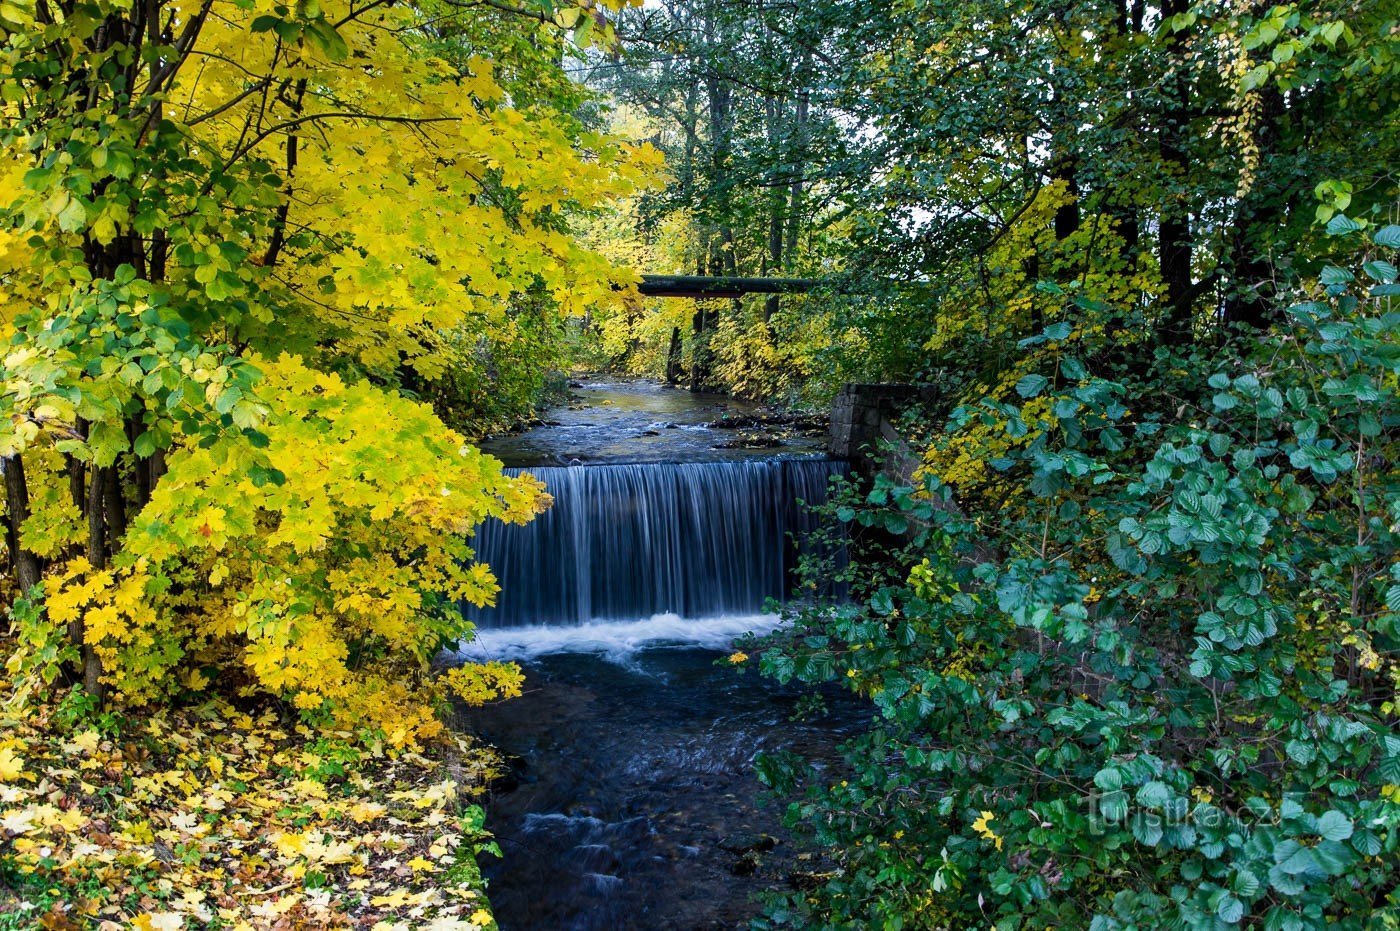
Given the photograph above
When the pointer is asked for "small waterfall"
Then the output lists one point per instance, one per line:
(624, 542)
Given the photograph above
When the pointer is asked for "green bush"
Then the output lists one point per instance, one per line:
(1142, 675)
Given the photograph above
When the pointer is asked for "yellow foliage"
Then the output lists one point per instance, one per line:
(478, 683)
(960, 459)
(983, 828)
(214, 274)
(254, 812)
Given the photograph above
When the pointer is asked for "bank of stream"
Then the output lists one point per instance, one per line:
(631, 801)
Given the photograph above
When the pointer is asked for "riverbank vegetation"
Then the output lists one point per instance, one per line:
(1129, 628)
(254, 259)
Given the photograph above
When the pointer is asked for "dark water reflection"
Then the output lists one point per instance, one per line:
(634, 804)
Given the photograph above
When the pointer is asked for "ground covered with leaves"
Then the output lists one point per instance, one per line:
(220, 817)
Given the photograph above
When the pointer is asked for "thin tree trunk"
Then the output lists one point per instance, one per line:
(97, 556)
(1251, 294)
(798, 161)
(1174, 225)
(23, 563)
(673, 357)
(115, 506)
(699, 339)
(77, 481)
(140, 467)
(773, 112)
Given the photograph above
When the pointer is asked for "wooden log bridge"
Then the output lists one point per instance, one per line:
(703, 286)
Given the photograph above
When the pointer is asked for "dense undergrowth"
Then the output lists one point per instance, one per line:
(1139, 668)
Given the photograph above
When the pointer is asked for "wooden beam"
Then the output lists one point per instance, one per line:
(703, 286)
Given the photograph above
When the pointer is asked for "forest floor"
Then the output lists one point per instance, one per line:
(216, 816)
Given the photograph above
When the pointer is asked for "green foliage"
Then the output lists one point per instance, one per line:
(226, 261)
(938, 161)
(1156, 686)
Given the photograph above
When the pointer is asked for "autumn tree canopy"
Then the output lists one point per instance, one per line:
(235, 236)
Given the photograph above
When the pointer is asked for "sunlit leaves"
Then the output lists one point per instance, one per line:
(220, 260)
(221, 818)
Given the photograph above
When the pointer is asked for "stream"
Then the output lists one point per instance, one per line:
(631, 801)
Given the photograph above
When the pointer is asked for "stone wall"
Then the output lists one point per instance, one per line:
(863, 427)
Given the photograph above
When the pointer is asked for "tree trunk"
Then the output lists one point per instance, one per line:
(115, 506)
(1250, 300)
(1174, 225)
(77, 481)
(97, 556)
(24, 564)
(797, 161)
(776, 197)
(673, 357)
(699, 339)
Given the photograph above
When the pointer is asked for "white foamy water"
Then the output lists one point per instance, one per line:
(615, 640)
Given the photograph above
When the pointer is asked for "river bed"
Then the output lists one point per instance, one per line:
(632, 803)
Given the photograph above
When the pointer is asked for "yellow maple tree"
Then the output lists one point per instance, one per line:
(235, 232)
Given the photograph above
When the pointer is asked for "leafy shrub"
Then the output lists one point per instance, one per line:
(324, 565)
(1150, 675)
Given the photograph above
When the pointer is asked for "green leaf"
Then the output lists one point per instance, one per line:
(1108, 779)
(1255, 77)
(1384, 272)
(227, 399)
(1246, 884)
(1031, 385)
(1334, 825)
(1155, 794)
(1230, 910)
(73, 217)
(324, 35)
(1294, 859)
(1341, 225)
(1332, 857)
(1300, 751)
(1388, 236)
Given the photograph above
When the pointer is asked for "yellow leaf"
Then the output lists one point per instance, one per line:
(11, 766)
(366, 811)
(87, 741)
(159, 921)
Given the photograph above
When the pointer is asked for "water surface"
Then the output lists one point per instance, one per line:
(619, 420)
(632, 802)
(634, 806)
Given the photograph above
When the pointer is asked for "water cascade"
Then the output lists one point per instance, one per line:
(628, 541)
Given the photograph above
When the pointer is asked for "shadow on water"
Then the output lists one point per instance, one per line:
(633, 803)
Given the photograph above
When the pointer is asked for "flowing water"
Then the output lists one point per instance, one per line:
(629, 541)
(632, 803)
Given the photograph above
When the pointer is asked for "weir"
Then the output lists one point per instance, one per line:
(629, 541)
